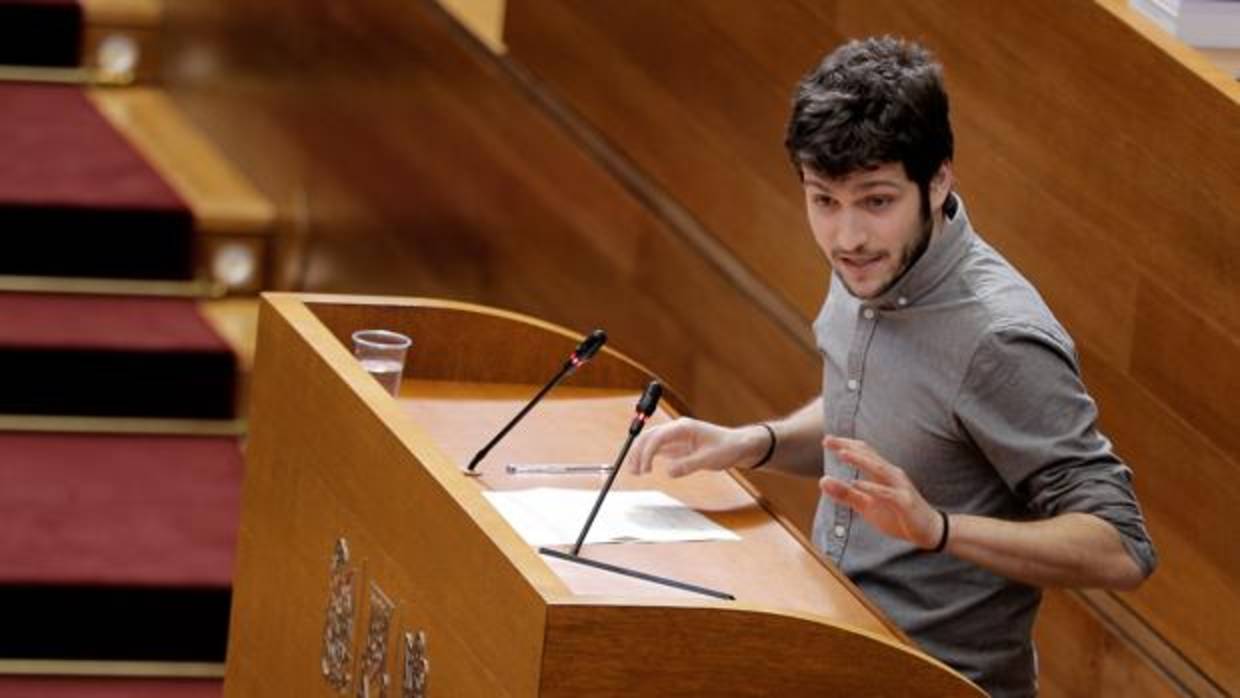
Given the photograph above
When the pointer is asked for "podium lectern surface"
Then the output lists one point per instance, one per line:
(369, 564)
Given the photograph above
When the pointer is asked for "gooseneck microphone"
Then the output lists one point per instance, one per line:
(645, 407)
(583, 353)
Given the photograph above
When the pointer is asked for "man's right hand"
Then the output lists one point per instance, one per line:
(686, 446)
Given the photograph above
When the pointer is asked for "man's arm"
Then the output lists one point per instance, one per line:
(687, 445)
(1071, 549)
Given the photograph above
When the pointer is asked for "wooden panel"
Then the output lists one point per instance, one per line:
(307, 485)
(756, 656)
(121, 13)
(1173, 462)
(474, 213)
(1185, 359)
(1189, 492)
(1095, 302)
(1091, 660)
(697, 113)
(458, 342)
(1192, 603)
(1097, 125)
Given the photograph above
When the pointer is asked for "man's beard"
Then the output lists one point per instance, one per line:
(909, 255)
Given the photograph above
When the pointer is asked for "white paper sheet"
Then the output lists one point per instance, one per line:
(554, 516)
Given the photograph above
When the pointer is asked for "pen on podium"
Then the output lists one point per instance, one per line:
(558, 469)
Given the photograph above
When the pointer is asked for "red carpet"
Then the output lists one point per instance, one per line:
(50, 321)
(30, 687)
(118, 510)
(77, 200)
(40, 32)
(112, 356)
(117, 547)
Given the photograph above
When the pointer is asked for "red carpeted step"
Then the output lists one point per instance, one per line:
(117, 546)
(118, 509)
(112, 356)
(92, 687)
(76, 199)
(40, 32)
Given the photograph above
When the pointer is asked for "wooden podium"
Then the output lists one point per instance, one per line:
(369, 564)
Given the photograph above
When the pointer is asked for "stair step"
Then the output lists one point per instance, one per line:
(112, 356)
(223, 201)
(236, 224)
(80, 42)
(91, 687)
(137, 510)
(195, 288)
(76, 199)
(117, 547)
(122, 623)
(40, 32)
(122, 425)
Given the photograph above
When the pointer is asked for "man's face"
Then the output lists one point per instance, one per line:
(869, 224)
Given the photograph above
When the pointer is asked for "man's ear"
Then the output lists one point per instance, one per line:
(941, 185)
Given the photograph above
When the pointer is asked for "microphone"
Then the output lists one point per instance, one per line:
(583, 353)
(645, 407)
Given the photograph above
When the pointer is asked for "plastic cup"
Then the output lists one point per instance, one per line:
(382, 354)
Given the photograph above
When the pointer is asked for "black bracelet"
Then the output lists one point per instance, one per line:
(946, 527)
(770, 450)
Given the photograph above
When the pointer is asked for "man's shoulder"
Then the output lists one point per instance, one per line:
(1003, 302)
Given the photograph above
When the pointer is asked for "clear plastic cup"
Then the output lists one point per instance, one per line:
(382, 354)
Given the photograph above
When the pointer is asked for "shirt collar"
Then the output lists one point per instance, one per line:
(947, 247)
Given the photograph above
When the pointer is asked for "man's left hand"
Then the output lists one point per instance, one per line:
(886, 498)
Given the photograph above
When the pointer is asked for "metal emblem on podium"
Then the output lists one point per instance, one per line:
(338, 629)
(373, 679)
(417, 666)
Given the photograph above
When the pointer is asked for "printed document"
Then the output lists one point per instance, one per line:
(555, 516)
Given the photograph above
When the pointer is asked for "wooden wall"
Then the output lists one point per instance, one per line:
(621, 166)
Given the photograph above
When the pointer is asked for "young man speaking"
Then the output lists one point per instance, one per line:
(961, 466)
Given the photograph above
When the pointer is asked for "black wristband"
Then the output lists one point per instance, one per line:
(770, 450)
(946, 528)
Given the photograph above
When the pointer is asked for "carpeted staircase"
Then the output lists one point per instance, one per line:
(76, 199)
(120, 434)
(86, 355)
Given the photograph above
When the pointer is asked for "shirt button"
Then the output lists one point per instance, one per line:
(869, 313)
(853, 384)
(839, 531)
(902, 300)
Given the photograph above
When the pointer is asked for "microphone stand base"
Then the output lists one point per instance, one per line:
(685, 586)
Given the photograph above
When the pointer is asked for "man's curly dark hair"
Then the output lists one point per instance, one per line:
(870, 102)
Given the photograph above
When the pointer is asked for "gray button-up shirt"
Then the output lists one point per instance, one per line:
(960, 375)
